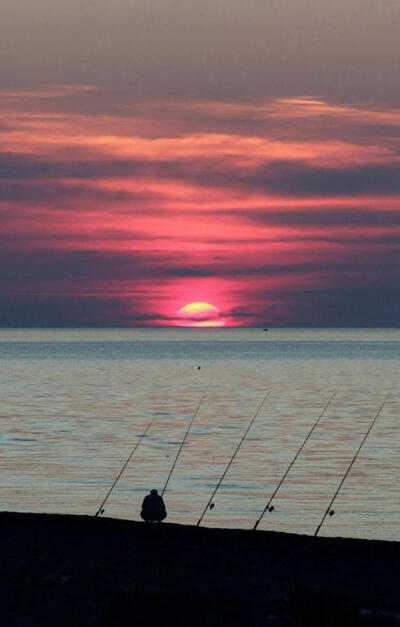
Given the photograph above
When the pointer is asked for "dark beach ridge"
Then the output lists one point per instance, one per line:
(77, 570)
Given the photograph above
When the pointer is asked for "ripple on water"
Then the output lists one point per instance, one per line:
(75, 403)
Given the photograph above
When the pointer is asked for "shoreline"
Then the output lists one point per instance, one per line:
(103, 571)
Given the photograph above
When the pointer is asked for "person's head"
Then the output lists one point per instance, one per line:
(154, 492)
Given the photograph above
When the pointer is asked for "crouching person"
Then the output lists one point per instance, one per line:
(153, 507)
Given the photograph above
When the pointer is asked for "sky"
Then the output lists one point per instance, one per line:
(156, 154)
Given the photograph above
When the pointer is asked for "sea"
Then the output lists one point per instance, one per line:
(323, 408)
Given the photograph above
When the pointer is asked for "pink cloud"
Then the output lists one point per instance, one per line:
(186, 208)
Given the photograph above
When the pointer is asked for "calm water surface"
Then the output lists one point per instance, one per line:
(73, 404)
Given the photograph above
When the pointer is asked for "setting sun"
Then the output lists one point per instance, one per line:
(200, 314)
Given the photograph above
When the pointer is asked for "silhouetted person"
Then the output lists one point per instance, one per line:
(153, 507)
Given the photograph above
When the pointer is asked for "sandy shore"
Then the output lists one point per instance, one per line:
(61, 570)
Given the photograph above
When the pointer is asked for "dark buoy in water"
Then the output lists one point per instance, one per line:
(271, 508)
(198, 367)
(265, 329)
(331, 512)
(212, 506)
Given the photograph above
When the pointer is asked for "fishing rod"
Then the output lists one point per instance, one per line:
(210, 504)
(117, 478)
(101, 508)
(269, 507)
(329, 510)
(184, 438)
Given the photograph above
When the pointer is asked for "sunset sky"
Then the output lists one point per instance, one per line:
(160, 153)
